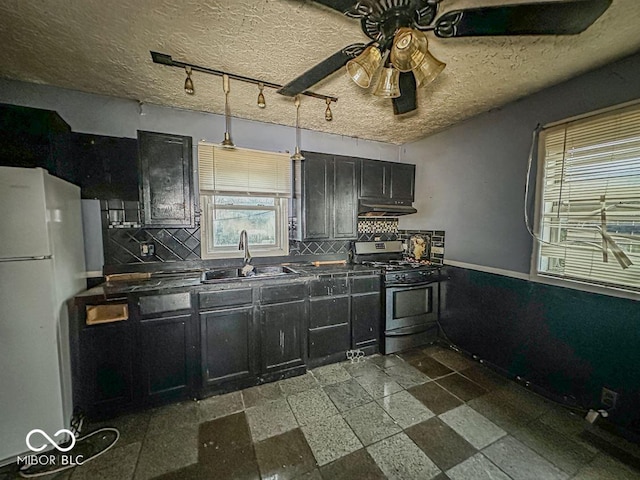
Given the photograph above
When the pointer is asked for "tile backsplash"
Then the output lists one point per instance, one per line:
(125, 239)
(377, 225)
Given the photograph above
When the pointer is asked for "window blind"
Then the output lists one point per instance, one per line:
(590, 215)
(243, 171)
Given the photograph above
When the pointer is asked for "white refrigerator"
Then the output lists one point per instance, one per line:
(41, 267)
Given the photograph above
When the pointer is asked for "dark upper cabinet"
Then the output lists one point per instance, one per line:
(327, 203)
(317, 176)
(31, 137)
(375, 178)
(166, 180)
(403, 179)
(107, 166)
(345, 198)
(387, 181)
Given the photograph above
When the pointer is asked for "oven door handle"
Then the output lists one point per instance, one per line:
(410, 285)
(410, 330)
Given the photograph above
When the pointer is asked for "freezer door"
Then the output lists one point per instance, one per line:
(30, 373)
(23, 214)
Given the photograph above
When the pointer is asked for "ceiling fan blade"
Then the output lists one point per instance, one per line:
(341, 6)
(547, 18)
(322, 70)
(407, 101)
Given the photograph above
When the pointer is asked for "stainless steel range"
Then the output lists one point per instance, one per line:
(411, 295)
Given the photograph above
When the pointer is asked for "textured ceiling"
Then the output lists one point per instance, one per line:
(103, 47)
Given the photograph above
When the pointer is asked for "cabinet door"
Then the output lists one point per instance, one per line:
(317, 197)
(108, 166)
(166, 179)
(166, 351)
(365, 319)
(227, 345)
(403, 182)
(345, 198)
(374, 179)
(106, 367)
(282, 335)
(328, 326)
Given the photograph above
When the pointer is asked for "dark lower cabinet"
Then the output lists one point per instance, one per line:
(282, 328)
(365, 312)
(328, 326)
(105, 368)
(166, 355)
(227, 345)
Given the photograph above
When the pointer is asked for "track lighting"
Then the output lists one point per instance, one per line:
(188, 83)
(297, 155)
(227, 142)
(328, 115)
(164, 59)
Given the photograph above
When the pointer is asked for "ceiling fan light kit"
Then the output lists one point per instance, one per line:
(388, 85)
(428, 70)
(362, 68)
(399, 25)
(409, 49)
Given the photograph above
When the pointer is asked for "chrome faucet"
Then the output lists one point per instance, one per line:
(244, 245)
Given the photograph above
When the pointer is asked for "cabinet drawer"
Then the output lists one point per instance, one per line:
(368, 284)
(154, 304)
(329, 286)
(283, 293)
(225, 298)
(325, 341)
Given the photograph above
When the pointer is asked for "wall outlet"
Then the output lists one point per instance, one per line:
(608, 398)
(147, 249)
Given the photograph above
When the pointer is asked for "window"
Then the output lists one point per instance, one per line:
(589, 200)
(242, 189)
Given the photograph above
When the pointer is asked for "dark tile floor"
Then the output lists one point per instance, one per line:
(427, 414)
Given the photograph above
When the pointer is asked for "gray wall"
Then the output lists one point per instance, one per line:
(102, 115)
(470, 178)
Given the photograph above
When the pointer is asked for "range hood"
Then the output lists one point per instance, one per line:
(378, 209)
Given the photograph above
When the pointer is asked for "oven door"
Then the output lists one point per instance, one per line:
(409, 307)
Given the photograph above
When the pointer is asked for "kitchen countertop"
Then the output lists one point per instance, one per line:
(162, 282)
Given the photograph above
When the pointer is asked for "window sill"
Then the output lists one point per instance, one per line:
(619, 292)
(547, 280)
(275, 252)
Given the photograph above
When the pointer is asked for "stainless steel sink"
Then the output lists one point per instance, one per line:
(231, 274)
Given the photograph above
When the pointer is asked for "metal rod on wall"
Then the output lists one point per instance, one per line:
(164, 59)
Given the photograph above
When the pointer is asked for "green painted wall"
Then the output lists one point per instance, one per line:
(569, 342)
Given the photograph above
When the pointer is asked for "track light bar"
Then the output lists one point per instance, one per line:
(164, 59)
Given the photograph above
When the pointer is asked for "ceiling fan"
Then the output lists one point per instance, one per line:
(399, 26)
